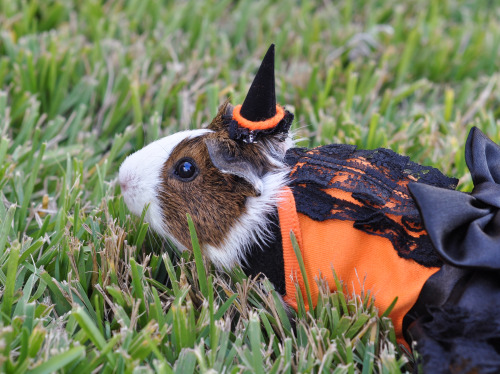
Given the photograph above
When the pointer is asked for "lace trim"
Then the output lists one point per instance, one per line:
(378, 200)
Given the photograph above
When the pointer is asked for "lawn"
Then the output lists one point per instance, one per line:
(86, 287)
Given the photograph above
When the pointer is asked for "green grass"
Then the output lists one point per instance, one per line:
(85, 287)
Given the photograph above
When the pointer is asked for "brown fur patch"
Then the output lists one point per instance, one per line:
(221, 120)
(213, 199)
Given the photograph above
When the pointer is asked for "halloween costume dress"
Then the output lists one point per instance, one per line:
(393, 227)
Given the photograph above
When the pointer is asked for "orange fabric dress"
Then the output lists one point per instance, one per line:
(361, 261)
(351, 211)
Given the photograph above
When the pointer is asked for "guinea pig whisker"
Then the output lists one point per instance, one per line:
(156, 241)
(167, 152)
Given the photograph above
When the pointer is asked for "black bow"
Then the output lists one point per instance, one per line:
(465, 228)
(455, 321)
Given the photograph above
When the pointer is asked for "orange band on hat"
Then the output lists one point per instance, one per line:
(258, 125)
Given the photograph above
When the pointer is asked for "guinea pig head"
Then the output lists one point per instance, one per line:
(227, 186)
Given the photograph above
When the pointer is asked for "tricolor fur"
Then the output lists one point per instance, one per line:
(236, 186)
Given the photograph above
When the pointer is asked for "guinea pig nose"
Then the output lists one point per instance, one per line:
(123, 185)
(124, 181)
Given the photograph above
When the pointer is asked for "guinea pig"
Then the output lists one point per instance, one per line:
(247, 189)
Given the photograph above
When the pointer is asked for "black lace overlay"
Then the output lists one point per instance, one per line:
(368, 187)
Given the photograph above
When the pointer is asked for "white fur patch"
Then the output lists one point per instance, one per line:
(140, 174)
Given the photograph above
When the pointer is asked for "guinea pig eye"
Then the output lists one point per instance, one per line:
(186, 169)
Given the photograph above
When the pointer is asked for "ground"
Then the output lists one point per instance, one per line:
(85, 287)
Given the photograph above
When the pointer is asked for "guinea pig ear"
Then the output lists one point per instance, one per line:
(223, 117)
(227, 157)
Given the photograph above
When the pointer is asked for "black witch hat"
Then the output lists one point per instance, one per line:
(259, 115)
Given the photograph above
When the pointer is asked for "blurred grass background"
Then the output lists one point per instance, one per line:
(85, 287)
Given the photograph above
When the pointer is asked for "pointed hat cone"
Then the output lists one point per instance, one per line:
(260, 102)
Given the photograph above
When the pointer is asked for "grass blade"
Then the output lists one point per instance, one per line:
(59, 361)
(300, 260)
(8, 294)
(200, 266)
